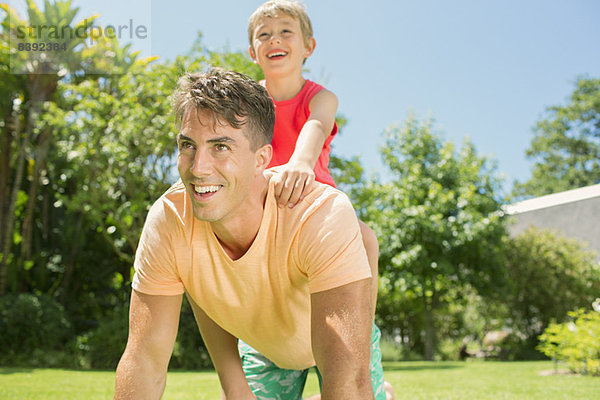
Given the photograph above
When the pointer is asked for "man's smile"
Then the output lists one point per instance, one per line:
(205, 192)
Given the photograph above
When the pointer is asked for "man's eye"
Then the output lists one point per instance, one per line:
(185, 145)
(221, 147)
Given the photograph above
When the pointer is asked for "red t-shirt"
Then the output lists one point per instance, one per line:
(290, 116)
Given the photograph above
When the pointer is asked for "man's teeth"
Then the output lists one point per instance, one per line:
(206, 189)
(277, 54)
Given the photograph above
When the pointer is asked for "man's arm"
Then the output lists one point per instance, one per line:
(223, 350)
(153, 322)
(341, 338)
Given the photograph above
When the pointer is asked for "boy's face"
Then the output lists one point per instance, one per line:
(278, 44)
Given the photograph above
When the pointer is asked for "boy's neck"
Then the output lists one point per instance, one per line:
(284, 88)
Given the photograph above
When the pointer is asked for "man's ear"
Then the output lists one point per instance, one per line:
(251, 51)
(263, 156)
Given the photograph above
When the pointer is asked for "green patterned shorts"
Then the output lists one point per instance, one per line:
(269, 382)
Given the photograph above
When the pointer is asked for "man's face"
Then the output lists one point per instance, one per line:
(217, 167)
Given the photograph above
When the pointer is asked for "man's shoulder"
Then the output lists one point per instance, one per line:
(171, 207)
(325, 203)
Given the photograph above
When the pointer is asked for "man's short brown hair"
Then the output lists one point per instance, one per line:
(232, 98)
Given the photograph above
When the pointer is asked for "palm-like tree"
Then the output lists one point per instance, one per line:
(32, 79)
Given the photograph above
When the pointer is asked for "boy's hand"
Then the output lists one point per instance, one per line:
(292, 183)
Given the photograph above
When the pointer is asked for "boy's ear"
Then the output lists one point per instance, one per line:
(251, 51)
(310, 48)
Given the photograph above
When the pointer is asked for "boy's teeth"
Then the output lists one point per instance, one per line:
(276, 54)
(206, 189)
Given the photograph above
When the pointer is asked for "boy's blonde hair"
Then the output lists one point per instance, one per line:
(274, 9)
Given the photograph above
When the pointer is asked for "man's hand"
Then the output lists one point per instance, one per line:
(293, 183)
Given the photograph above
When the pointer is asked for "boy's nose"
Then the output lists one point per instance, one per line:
(275, 38)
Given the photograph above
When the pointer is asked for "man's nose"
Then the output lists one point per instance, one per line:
(202, 165)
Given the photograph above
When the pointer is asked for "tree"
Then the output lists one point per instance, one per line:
(439, 225)
(566, 145)
(549, 276)
(42, 71)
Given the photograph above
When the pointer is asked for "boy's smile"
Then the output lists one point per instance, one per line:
(276, 54)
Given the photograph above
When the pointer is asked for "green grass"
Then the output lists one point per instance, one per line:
(411, 380)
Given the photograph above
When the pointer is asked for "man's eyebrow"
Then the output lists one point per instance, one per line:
(221, 139)
(181, 136)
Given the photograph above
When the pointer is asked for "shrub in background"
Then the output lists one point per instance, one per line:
(34, 331)
(575, 343)
(549, 276)
(390, 350)
(189, 352)
(103, 346)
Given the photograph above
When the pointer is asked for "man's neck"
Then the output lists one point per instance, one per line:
(284, 88)
(236, 236)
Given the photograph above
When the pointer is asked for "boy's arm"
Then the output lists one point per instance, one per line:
(297, 175)
(223, 350)
(153, 322)
(341, 337)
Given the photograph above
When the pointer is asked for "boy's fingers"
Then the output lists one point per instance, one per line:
(268, 174)
(307, 187)
(278, 188)
(309, 181)
(297, 192)
(286, 192)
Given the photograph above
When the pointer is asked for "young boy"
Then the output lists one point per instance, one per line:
(281, 39)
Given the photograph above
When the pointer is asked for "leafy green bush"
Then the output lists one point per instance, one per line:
(189, 352)
(549, 275)
(103, 346)
(390, 350)
(34, 331)
(576, 343)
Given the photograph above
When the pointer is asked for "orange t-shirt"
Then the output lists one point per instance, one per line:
(290, 117)
(263, 297)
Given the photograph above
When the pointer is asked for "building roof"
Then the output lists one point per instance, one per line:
(551, 200)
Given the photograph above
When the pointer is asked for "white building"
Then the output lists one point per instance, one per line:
(574, 213)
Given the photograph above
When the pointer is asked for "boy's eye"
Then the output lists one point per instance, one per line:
(263, 35)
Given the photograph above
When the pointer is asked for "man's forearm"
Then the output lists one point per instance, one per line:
(347, 384)
(139, 379)
(222, 347)
(341, 337)
(142, 371)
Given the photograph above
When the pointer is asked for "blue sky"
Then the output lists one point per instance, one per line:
(482, 69)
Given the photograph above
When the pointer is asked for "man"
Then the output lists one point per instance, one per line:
(293, 283)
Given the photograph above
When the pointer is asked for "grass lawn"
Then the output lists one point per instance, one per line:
(411, 380)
